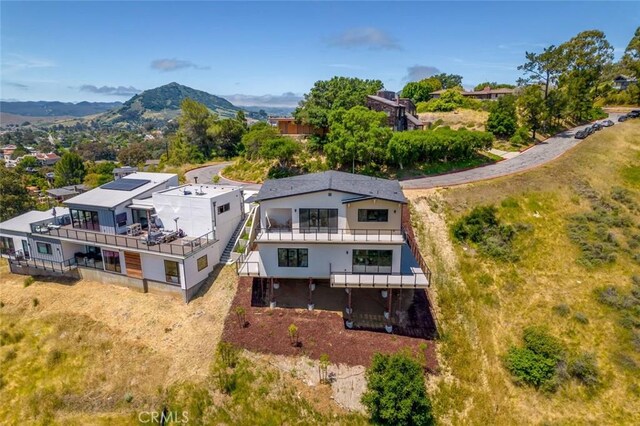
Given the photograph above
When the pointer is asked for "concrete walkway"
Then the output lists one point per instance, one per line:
(504, 154)
(535, 156)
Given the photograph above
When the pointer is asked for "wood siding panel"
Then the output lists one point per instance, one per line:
(133, 264)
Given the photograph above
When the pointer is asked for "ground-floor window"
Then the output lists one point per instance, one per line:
(6, 245)
(44, 248)
(172, 271)
(111, 260)
(293, 257)
(203, 262)
(372, 261)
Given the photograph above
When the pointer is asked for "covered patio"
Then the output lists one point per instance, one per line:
(403, 311)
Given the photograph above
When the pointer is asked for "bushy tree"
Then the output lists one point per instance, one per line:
(281, 148)
(195, 119)
(396, 393)
(420, 91)
(531, 105)
(503, 119)
(449, 81)
(14, 198)
(337, 93)
(257, 135)
(450, 100)
(69, 170)
(27, 161)
(631, 61)
(358, 135)
(493, 85)
(133, 154)
(227, 136)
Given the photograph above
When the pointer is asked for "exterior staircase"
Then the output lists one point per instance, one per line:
(228, 250)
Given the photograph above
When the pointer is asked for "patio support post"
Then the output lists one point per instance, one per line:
(389, 327)
(272, 298)
(310, 305)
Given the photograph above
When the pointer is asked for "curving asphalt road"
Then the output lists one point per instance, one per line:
(205, 175)
(538, 155)
(535, 156)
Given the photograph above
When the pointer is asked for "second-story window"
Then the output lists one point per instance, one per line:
(224, 208)
(44, 248)
(373, 215)
(312, 220)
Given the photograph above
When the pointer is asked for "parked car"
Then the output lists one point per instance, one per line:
(588, 130)
(596, 126)
(607, 123)
(581, 134)
(622, 118)
(634, 114)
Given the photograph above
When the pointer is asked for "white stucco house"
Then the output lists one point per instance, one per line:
(142, 230)
(333, 227)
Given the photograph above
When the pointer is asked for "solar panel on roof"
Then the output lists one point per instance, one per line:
(125, 184)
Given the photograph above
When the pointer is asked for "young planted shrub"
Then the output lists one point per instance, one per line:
(584, 368)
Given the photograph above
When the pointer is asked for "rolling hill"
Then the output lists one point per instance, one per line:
(56, 109)
(163, 103)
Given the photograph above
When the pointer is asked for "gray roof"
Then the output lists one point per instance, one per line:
(366, 186)
(109, 198)
(23, 222)
(61, 192)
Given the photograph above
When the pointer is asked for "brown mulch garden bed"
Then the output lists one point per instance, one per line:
(320, 332)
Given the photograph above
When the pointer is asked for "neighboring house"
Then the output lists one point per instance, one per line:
(401, 111)
(7, 151)
(66, 192)
(47, 159)
(485, 94)
(120, 172)
(288, 126)
(143, 231)
(17, 239)
(622, 82)
(337, 228)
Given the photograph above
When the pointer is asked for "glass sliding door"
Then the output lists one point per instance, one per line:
(372, 261)
(85, 219)
(319, 220)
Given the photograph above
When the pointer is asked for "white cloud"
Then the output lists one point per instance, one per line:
(13, 62)
(365, 37)
(121, 91)
(166, 65)
(287, 99)
(419, 72)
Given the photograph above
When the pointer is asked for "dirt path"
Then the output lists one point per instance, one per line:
(185, 335)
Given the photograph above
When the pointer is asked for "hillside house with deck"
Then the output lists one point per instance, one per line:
(401, 112)
(142, 231)
(334, 230)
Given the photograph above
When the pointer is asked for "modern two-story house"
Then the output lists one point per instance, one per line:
(142, 230)
(333, 227)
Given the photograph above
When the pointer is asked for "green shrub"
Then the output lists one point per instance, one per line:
(520, 137)
(542, 343)
(396, 393)
(529, 367)
(128, 398)
(28, 281)
(482, 227)
(10, 355)
(35, 302)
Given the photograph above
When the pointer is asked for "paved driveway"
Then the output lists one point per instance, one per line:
(537, 155)
(206, 174)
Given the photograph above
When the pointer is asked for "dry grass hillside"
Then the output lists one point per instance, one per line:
(88, 353)
(578, 251)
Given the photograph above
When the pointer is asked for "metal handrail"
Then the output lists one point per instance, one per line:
(133, 242)
(375, 276)
(47, 265)
(332, 234)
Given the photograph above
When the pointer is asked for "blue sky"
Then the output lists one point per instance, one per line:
(268, 53)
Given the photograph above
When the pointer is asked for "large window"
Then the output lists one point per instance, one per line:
(325, 220)
(44, 248)
(203, 262)
(111, 261)
(373, 215)
(293, 258)
(85, 219)
(6, 245)
(372, 261)
(172, 271)
(224, 208)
